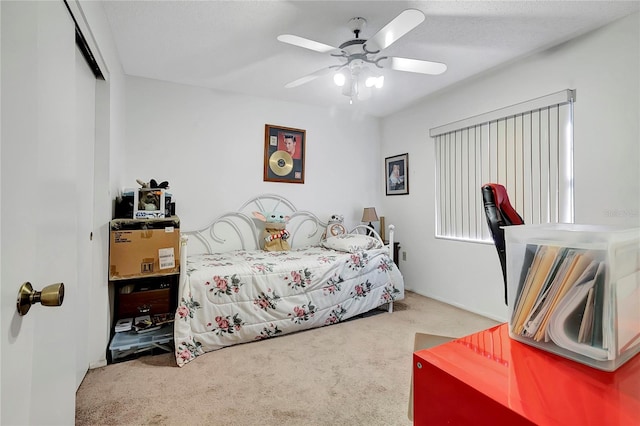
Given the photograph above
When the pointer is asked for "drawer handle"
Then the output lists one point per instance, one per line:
(144, 309)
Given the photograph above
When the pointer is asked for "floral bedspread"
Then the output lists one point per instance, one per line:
(242, 296)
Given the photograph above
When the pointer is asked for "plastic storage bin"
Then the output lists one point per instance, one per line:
(574, 290)
(128, 343)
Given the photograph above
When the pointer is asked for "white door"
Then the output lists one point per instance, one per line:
(85, 142)
(38, 216)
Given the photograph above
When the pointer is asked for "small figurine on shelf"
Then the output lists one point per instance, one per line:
(152, 184)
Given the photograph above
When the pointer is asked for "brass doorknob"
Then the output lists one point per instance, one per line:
(51, 295)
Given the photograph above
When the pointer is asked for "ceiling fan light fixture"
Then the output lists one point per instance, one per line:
(370, 81)
(373, 81)
(361, 59)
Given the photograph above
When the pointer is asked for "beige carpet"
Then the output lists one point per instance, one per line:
(354, 373)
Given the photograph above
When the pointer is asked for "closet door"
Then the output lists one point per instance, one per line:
(39, 216)
(85, 142)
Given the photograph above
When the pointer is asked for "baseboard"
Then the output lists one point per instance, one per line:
(98, 364)
(465, 308)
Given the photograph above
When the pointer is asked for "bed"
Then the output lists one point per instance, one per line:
(231, 291)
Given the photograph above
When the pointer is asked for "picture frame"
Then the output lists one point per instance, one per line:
(284, 154)
(149, 203)
(397, 174)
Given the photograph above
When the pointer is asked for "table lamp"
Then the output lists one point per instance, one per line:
(369, 215)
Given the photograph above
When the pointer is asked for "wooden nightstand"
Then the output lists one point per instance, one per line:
(396, 252)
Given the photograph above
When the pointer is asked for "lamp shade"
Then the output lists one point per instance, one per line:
(369, 214)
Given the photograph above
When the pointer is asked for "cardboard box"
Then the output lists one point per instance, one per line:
(137, 253)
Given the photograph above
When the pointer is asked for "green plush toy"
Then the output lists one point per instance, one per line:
(275, 234)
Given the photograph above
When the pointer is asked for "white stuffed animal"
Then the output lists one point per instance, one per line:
(335, 227)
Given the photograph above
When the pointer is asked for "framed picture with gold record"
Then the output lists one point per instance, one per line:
(284, 150)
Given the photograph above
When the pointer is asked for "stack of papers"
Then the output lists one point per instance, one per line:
(562, 300)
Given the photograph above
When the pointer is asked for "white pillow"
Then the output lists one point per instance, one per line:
(351, 243)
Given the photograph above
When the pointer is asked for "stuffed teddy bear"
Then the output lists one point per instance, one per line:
(275, 234)
(152, 184)
(334, 227)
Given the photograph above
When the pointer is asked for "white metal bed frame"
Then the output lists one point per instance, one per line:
(240, 230)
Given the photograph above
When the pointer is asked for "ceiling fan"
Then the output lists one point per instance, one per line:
(361, 58)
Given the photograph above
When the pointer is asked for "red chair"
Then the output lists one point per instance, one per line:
(499, 213)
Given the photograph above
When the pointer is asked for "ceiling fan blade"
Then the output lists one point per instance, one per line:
(399, 26)
(307, 78)
(306, 43)
(416, 65)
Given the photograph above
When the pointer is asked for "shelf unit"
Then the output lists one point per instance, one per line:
(143, 276)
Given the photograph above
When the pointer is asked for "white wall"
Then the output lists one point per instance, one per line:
(209, 145)
(603, 66)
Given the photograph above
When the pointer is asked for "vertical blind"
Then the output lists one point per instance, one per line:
(527, 147)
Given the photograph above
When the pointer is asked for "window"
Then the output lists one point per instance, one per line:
(527, 147)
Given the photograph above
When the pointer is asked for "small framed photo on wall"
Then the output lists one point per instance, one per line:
(284, 151)
(397, 174)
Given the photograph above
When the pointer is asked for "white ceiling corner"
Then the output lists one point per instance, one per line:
(232, 46)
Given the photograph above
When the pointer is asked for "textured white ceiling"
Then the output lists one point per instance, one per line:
(232, 46)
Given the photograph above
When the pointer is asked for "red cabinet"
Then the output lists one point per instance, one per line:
(489, 379)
